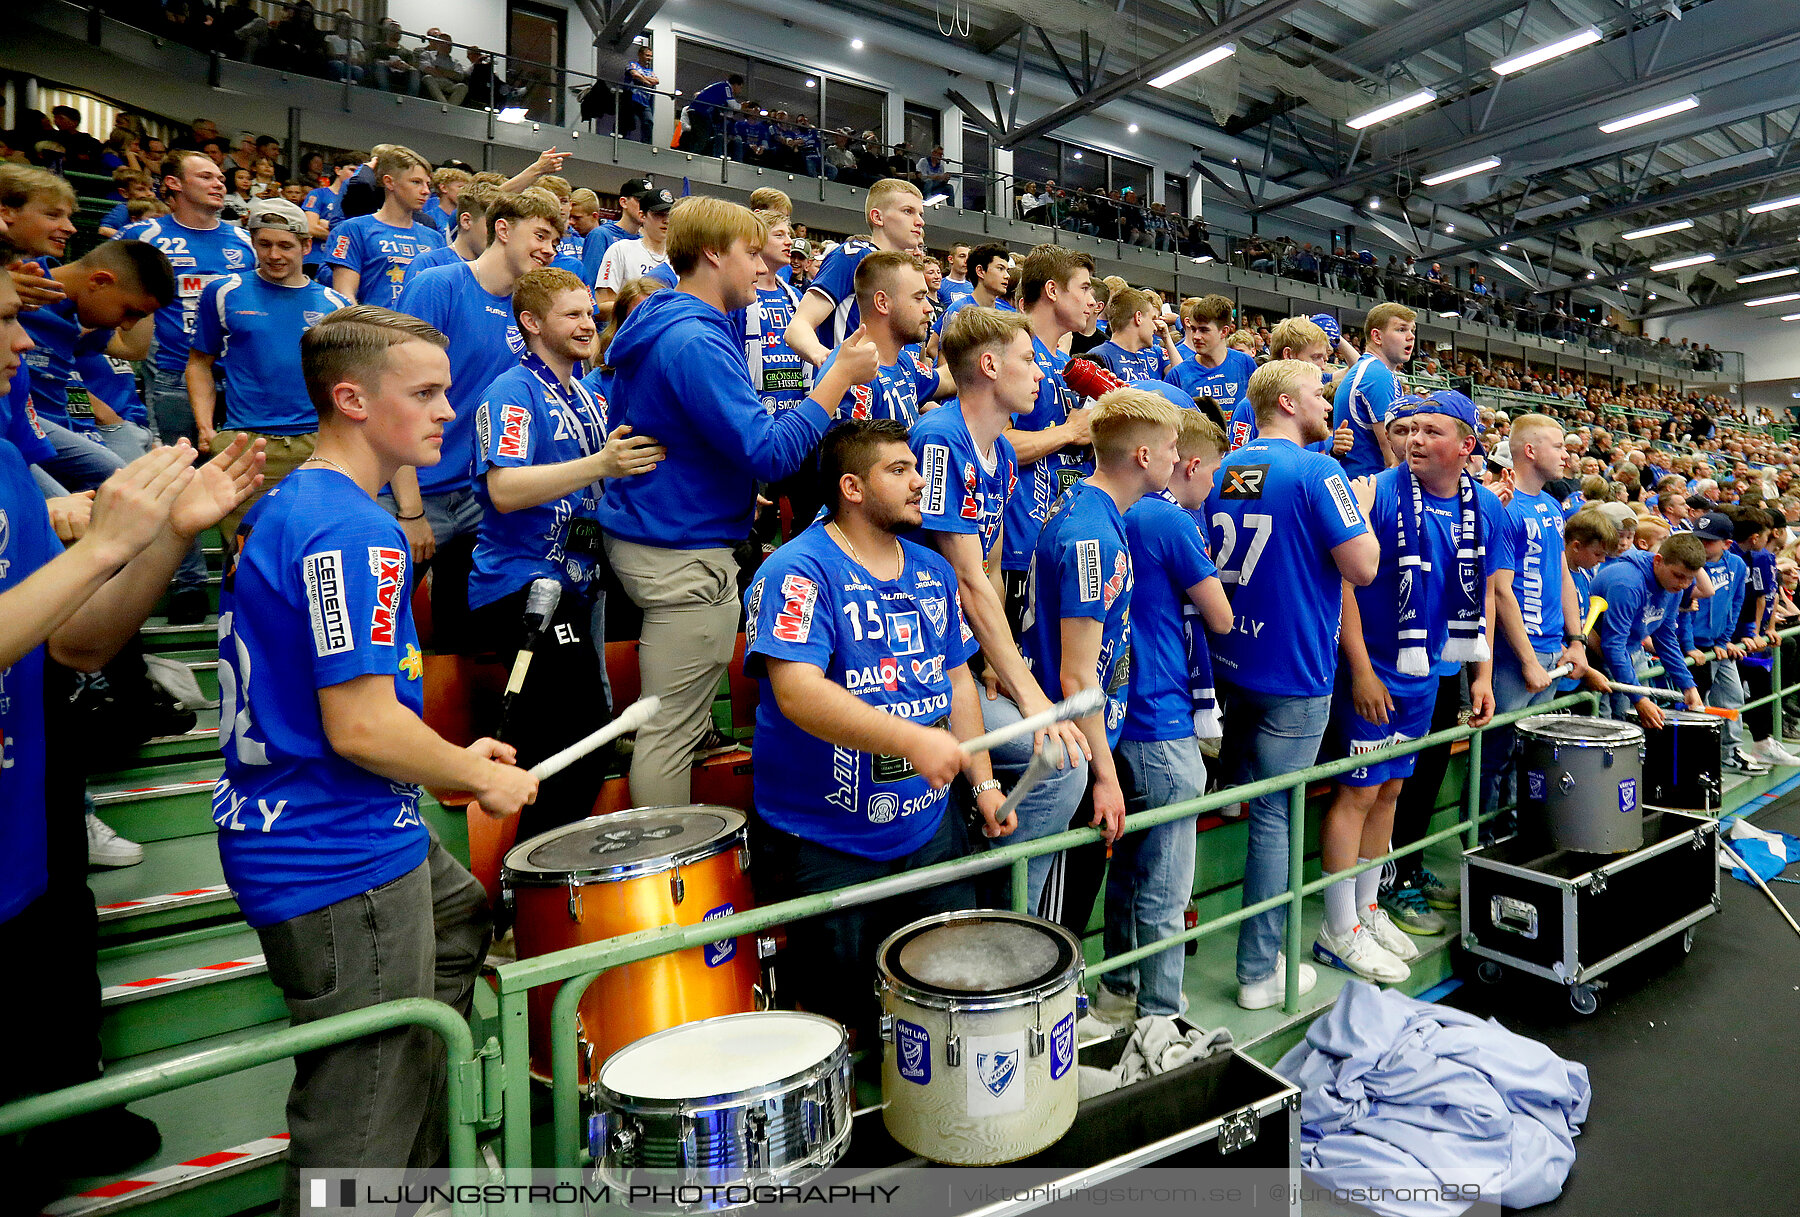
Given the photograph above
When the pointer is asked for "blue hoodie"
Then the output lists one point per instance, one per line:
(1637, 605)
(681, 377)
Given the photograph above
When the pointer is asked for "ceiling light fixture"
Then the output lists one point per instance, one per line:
(1777, 205)
(1133, 128)
(1784, 298)
(1469, 170)
(1198, 63)
(856, 44)
(1678, 263)
(1666, 110)
(1527, 214)
(1547, 52)
(1763, 275)
(1393, 109)
(1657, 230)
(1792, 317)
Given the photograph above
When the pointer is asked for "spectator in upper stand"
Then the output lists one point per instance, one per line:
(712, 108)
(935, 176)
(1027, 204)
(295, 43)
(444, 77)
(345, 55)
(81, 151)
(638, 96)
(901, 165)
(393, 65)
(840, 159)
(488, 89)
(806, 141)
(121, 152)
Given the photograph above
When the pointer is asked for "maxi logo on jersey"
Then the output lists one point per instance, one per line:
(799, 596)
(515, 432)
(389, 568)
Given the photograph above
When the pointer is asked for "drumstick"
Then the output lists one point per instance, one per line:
(1675, 695)
(1084, 703)
(1040, 768)
(630, 719)
(1758, 880)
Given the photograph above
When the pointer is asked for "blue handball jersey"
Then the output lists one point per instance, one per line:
(526, 418)
(320, 594)
(568, 252)
(328, 205)
(484, 342)
(1043, 480)
(894, 394)
(1276, 513)
(198, 256)
(1364, 397)
(253, 328)
(1535, 535)
(836, 282)
(777, 373)
(949, 289)
(1082, 568)
(379, 253)
(1224, 385)
(443, 255)
(891, 643)
(27, 542)
(56, 388)
(1379, 602)
(1168, 556)
(114, 382)
(1151, 363)
(961, 301)
(964, 493)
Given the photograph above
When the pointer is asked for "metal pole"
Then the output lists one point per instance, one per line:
(515, 1115)
(1472, 795)
(565, 1071)
(1296, 880)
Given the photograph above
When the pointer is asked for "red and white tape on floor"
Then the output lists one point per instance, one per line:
(169, 900)
(132, 990)
(145, 1185)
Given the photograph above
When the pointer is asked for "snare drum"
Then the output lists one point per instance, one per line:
(1682, 769)
(1583, 778)
(731, 1102)
(621, 873)
(978, 1010)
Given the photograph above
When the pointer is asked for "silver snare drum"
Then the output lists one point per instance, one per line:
(979, 1010)
(1583, 777)
(731, 1102)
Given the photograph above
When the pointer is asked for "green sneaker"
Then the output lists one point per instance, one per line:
(1406, 908)
(1437, 893)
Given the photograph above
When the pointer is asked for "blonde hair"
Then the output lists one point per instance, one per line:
(1527, 423)
(352, 345)
(1126, 303)
(449, 177)
(1387, 312)
(397, 160)
(491, 178)
(558, 186)
(584, 201)
(1122, 416)
(768, 198)
(19, 184)
(1214, 308)
(883, 193)
(1246, 340)
(699, 224)
(475, 200)
(1198, 435)
(1278, 377)
(974, 331)
(532, 204)
(537, 290)
(772, 218)
(1296, 334)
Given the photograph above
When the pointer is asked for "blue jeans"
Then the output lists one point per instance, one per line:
(1727, 692)
(82, 461)
(171, 417)
(455, 513)
(1274, 734)
(125, 440)
(1046, 810)
(1510, 693)
(1152, 873)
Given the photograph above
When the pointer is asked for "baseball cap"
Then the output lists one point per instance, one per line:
(1443, 401)
(1713, 526)
(803, 247)
(656, 200)
(277, 213)
(1329, 324)
(633, 187)
(1502, 454)
(1619, 513)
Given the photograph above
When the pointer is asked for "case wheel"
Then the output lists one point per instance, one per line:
(1584, 999)
(1687, 940)
(1488, 972)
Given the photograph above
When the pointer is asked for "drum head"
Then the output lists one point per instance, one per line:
(624, 843)
(721, 1056)
(994, 955)
(1692, 718)
(1567, 729)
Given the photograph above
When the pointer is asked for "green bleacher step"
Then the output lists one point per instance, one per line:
(204, 985)
(158, 636)
(179, 884)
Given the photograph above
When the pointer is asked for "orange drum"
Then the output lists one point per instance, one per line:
(621, 873)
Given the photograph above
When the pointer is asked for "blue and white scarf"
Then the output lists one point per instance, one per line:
(1463, 596)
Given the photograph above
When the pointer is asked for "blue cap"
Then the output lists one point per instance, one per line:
(1441, 401)
(1329, 324)
(1175, 393)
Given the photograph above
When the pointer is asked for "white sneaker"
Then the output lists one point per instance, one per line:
(1360, 954)
(1114, 1008)
(1397, 941)
(108, 848)
(1272, 989)
(1232, 811)
(1770, 752)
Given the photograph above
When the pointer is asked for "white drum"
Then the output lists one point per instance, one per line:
(979, 1011)
(725, 1104)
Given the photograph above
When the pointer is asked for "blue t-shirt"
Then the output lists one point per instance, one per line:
(714, 95)
(113, 382)
(27, 542)
(299, 826)
(253, 328)
(777, 373)
(1763, 582)
(439, 213)
(326, 203)
(569, 251)
(1168, 556)
(894, 394)
(892, 644)
(837, 283)
(443, 255)
(379, 253)
(1276, 512)
(484, 342)
(1379, 602)
(1082, 568)
(19, 420)
(963, 493)
(1151, 363)
(1043, 480)
(1224, 385)
(1535, 531)
(1364, 397)
(960, 302)
(198, 256)
(525, 419)
(56, 329)
(595, 245)
(949, 289)
(117, 218)
(1716, 619)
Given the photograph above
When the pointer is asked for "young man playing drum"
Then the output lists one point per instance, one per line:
(865, 693)
(353, 898)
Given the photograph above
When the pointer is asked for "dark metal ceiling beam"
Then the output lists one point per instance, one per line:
(1424, 29)
(999, 36)
(1125, 82)
(628, 20)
